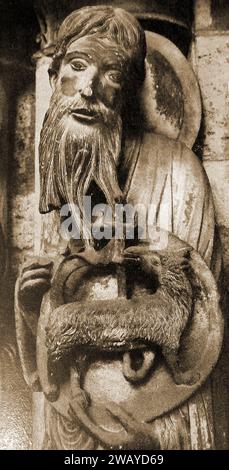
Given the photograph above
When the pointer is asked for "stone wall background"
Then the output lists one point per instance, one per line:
(18, 30)
(210, 58)
(209, 54)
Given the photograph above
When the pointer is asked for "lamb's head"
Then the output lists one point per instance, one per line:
(165, 267)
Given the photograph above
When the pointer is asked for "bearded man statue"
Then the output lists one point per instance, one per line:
(112, 368)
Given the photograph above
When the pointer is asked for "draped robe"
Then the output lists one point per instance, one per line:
(164, 173)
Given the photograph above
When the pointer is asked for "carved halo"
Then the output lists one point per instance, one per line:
(170, 98)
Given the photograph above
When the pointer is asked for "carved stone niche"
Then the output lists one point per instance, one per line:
(175, 13)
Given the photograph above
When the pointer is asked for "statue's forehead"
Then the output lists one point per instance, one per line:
(98, 48)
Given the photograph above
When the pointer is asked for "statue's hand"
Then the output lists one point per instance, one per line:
(139, 435)
(34, 281)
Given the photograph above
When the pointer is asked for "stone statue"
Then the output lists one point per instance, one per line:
(110, 327)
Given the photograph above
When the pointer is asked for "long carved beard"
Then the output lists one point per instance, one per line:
(72, 155)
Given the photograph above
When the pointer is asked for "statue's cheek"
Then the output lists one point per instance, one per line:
(68, 85)
(110, 96)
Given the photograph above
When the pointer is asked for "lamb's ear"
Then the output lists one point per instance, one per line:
(185, 252)
(183, 256)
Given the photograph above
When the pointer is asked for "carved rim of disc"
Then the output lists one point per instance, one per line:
(158, 115)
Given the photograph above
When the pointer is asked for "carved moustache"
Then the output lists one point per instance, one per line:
(62, 105)
(97, 111)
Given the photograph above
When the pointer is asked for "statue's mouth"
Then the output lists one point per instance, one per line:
(84, 115)
(112, 345)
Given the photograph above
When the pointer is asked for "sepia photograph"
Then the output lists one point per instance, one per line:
(114, 228)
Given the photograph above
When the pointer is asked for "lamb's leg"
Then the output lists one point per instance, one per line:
(180, 377)
(133, 374)
(79, 397)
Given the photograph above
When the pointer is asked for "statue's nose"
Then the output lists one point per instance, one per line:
(87, 86)
(87, 91)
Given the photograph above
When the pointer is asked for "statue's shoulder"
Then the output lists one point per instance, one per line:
(167, 151)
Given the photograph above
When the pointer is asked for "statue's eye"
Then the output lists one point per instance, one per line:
(155, 263)
(115, 76)
(78, 65)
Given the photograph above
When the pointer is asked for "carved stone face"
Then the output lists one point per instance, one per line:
(81, 136)
(95, 70)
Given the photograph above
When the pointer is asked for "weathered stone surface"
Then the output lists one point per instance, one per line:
(23, 217)
(203, 19)
(173, 12)
(22, 228)
(21, 179)
(220, 14)
(15, 412)
(224, 238)
(211, 15)
(218, 174)
(23, 162)
(212, 67)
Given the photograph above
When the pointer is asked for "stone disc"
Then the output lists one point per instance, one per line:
(170, 98)
(159, 394)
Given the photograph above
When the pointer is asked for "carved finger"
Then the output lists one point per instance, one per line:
(79, 396)
(107, 438)
(137, 250)
(126, 419)
(132, 258)
(36, 263)
(33, 288)
(34, 284)
(41, 273)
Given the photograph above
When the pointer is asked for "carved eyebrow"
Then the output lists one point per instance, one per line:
(75, 54)
(114, 65)
(119, 59)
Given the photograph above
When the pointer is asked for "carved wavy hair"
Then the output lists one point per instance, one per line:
(114, 24)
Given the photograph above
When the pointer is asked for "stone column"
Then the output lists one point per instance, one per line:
(3, 220)
(43, 234)
(210, 61)
(3, 174)
(15, 153)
